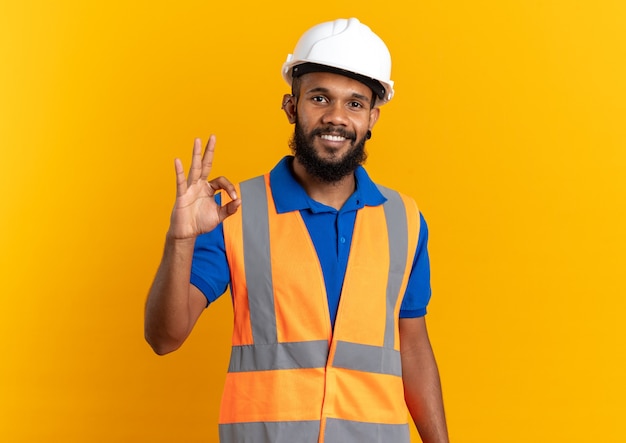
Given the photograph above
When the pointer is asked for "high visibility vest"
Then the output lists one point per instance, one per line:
(292, 378)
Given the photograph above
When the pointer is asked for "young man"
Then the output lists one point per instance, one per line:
(328, 271)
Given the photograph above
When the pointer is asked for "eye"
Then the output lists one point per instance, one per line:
(355, 104)
(318, 99)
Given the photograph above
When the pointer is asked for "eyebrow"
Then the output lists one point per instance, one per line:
(323, 90)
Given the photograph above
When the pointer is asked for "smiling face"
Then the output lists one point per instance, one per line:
(332, 114)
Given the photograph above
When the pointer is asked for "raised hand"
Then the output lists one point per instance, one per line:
(195, 211)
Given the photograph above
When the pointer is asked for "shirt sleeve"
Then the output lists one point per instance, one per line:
(418, 289)
(209, 269)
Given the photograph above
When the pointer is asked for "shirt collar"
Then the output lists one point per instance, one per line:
(289, 195)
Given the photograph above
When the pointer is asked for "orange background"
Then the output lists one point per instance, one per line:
(508, 127)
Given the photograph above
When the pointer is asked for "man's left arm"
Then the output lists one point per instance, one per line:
(422, 386)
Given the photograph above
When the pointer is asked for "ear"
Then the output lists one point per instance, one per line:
(374, 114)
(289, 106)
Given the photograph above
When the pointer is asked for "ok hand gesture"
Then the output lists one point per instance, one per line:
(195, 211)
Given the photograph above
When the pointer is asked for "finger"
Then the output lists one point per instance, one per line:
(229, 209)
(224, 184)
(181, 183)
(207, 158)
(196, 162)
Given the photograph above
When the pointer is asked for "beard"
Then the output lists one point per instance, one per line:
(327, 171)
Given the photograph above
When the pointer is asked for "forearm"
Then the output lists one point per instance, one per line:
(424, 400)
(169, 314)
(422, 386)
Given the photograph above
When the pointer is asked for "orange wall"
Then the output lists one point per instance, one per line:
(508, 127)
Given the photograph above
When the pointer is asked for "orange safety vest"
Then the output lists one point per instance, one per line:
(291, 377)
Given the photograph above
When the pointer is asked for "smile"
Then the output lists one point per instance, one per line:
(332, 138)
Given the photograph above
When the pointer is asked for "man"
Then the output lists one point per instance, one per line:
(328, 272)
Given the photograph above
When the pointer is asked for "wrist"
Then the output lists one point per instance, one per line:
(173, 240)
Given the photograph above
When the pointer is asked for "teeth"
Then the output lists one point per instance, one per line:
(333, 138)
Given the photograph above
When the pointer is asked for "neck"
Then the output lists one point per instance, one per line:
(333, 194)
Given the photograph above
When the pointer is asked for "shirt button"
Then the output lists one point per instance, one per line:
(342, 239)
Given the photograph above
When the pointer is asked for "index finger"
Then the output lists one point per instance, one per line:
(226, 185)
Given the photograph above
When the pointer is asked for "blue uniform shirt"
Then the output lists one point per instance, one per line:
(331, 232)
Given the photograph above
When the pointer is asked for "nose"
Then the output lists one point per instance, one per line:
(336, 114)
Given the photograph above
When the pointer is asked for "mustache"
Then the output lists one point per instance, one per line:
(334, 130)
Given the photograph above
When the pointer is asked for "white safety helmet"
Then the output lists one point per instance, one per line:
(347, 47)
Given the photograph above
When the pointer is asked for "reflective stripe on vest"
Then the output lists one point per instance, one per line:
(257, 261)
(297, 370)
(337, 431)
